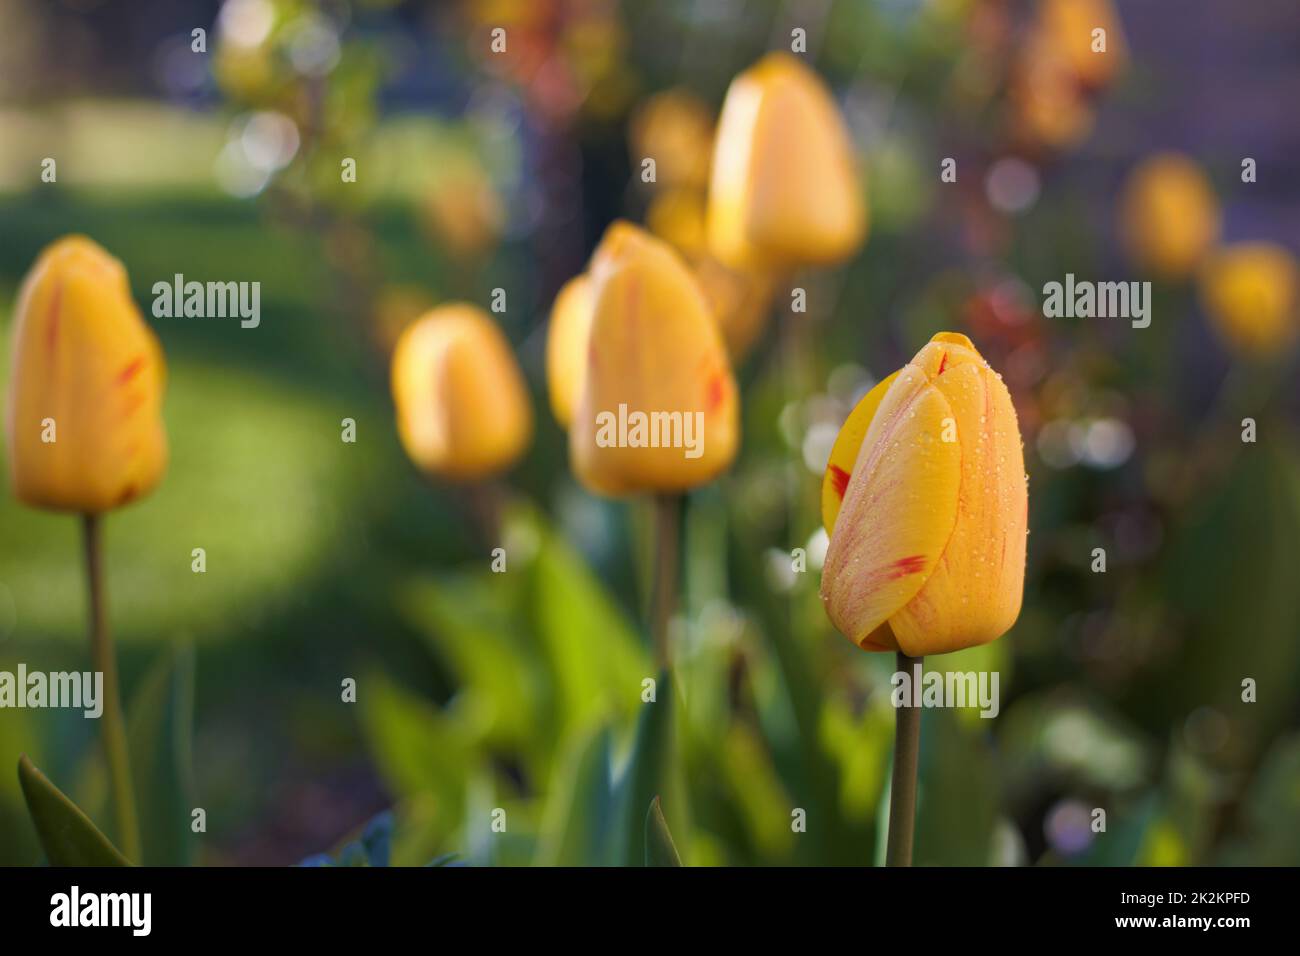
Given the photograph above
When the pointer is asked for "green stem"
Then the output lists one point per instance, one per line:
(902, 791)
(105, 662)
(663, 595)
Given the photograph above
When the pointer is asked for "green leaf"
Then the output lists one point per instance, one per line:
(420, 750)
(159, 730)
(580, 812)
(957, 803)
(67, 835)
(813, 777)
(470, 620)
(646, 773)
(659, 847)
(595, 656)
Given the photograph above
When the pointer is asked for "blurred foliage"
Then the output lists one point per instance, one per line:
(771, 740)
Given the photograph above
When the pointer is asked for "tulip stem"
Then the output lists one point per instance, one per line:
(902, 791)
(104, 661)
(663, 595)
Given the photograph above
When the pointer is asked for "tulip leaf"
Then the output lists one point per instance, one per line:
(159, 729)
(957, 803)
(577, 820)
(471, 623)
(812, 774)
(646, 773)
(18, 735)
(420, 750)
(659, 847)
(67, 835)
(592, 649)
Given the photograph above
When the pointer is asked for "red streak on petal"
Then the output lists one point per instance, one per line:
(714, 392)
(839, 479)
(127, 494)
(131, 370)
(943, 363)
(912, 564)
(52, 329)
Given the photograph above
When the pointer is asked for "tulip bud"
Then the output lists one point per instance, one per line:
(1048, 106)
(1169, 215)
(462, 212)
(676, 130)
(926, 502)
(85, 395)
(1250, 293)
(785, 191)
(1067, 28)
(566, 339)
(656, 405)
(463, 410)
(566, 346)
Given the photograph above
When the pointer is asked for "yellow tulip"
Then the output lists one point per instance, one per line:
(926, 502)
(1250, 293)
(566, 339)
(675, 129)
(740, 299)
(1066, 28)
(1048, 106)
(566, 346)
(463, 410)
(85, 394)
(1169, 215)
(462, 211)
(653, 355)
(785, 191)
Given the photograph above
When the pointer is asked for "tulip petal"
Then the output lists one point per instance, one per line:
(1251, 291)
(84, 360)
(784, 186)
(566, 346)
(973, 595)
(463, 409)
(654, 350)
(899, 510)
(1169, 215)
(839, 467)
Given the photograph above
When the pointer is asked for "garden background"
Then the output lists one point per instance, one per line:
(476, 690)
